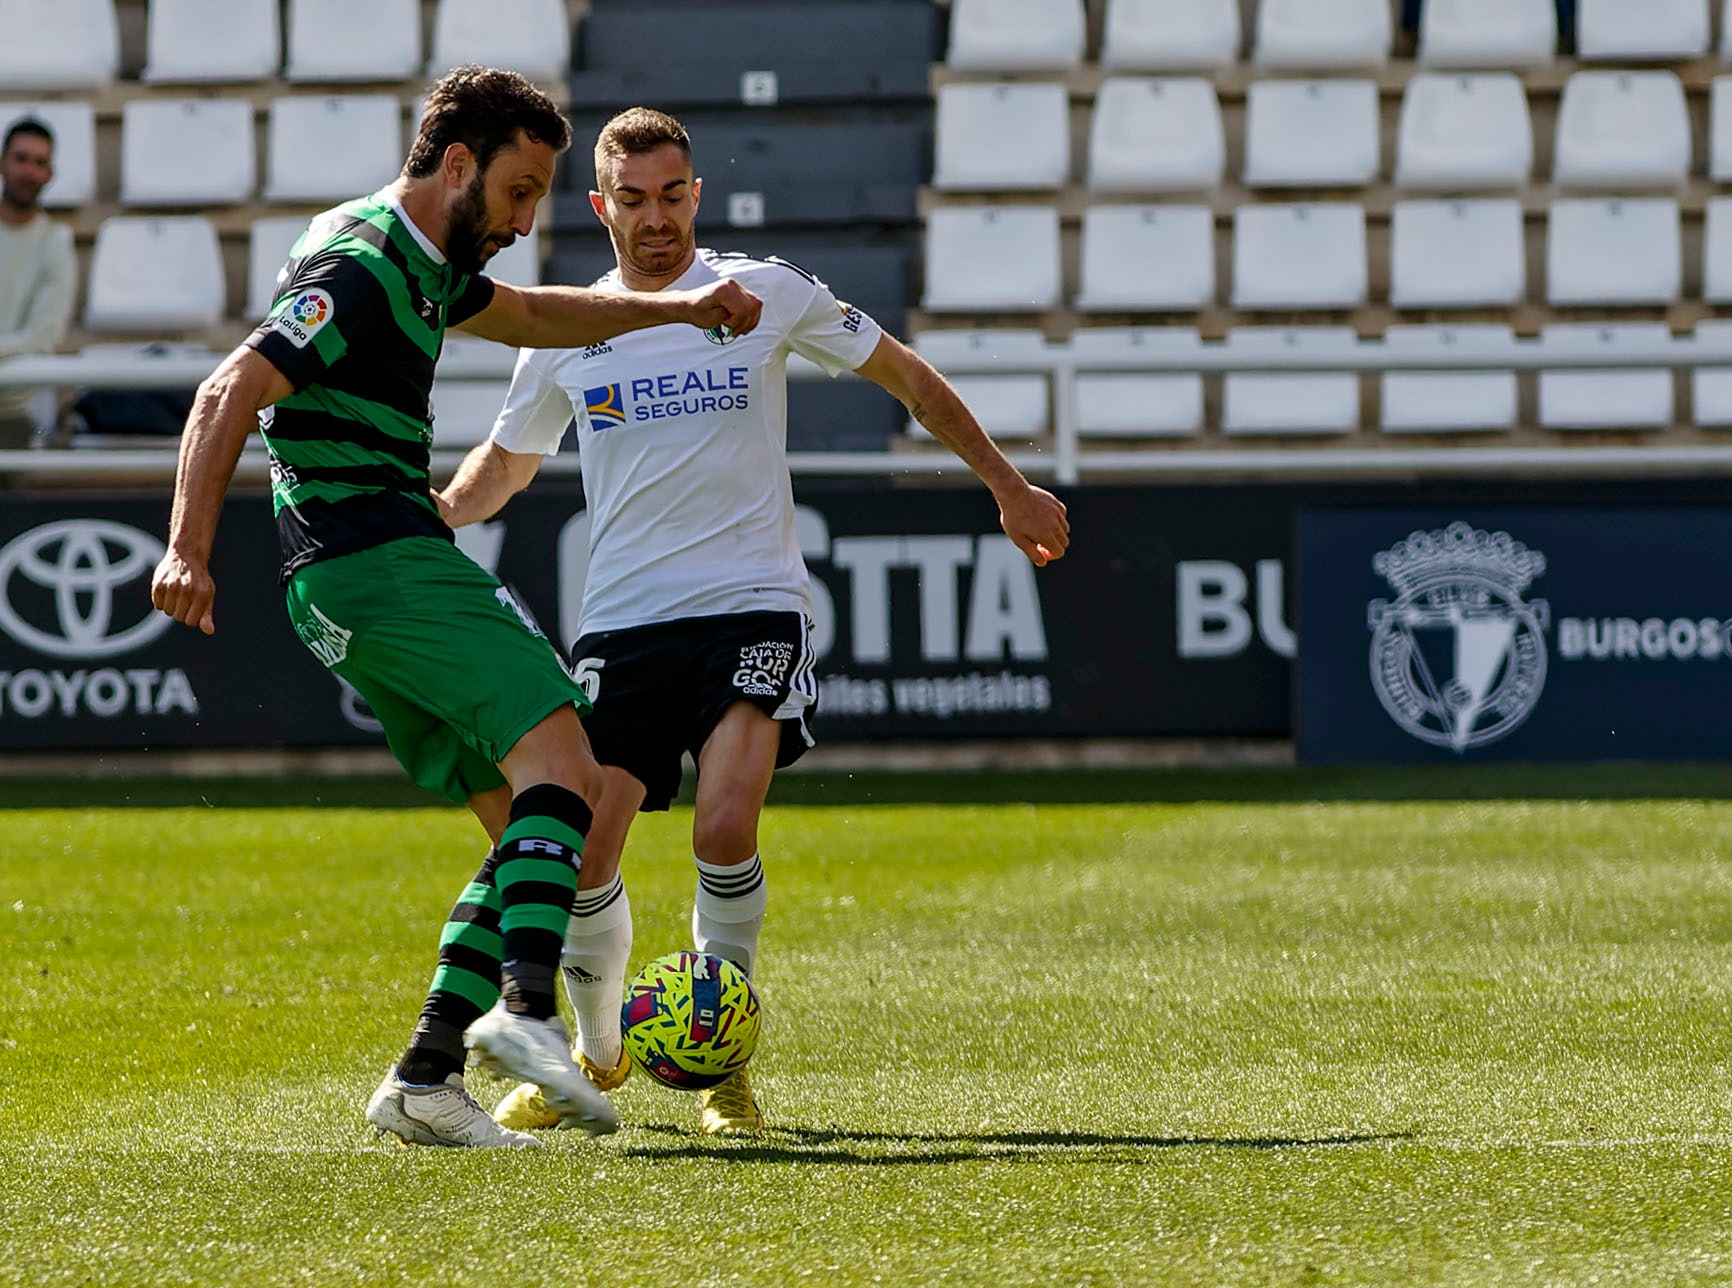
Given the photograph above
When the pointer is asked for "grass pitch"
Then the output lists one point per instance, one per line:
(1135, 1039)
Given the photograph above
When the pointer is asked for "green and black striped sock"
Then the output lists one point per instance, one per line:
(465, 986)
(539, 857)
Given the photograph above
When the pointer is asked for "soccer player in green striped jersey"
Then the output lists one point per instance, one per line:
(474, 700)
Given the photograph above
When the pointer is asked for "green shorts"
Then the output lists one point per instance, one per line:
(439, 650)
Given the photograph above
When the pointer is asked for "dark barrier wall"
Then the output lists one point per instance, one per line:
(1590, 633)
(1173, 614)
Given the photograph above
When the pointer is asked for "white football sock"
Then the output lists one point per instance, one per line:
(728, 910)
(597, 948)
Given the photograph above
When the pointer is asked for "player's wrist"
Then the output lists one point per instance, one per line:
(190, 552)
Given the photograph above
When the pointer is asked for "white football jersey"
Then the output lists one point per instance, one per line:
(683, 438)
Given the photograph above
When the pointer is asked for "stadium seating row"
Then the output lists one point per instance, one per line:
(165, 275)
(1615, 129)
(1172, 35)
(1123, 404)
(75, 44)
(1444, 254)
(756, 55)
(763, 170)
(200, 151)
(1457, 132)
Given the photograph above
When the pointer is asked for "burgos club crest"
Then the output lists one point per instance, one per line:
(1459, 659)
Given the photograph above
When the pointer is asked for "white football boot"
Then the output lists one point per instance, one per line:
(539, 1051)
(441, 1115)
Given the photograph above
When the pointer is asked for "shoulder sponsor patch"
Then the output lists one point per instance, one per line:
(305, 314)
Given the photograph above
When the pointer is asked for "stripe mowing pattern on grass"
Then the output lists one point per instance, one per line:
(1343, 1042)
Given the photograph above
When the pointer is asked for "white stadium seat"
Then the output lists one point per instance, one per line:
(58, 44)
(1457, 254)
(1135, 404)
(1620, 130)
(1619, 251)
(72, 122)
(1431, 402)
(339, 40)
(1152, 134)
(1170, 35)
(469, 357)
(195, 41)
(1320, 34)
(532, 37)
(1147, 257)
(1720, 130)
(1016, 35)
(1614, 30)
(1711, 387)
(1011, 405)
(268, 247)
(1461, 133)
(1717, 252)
(154, 275)
(1311, 133)
(1299, 257)
(187, 152)
(992, 259)
(1291, 403)
(464, 410)
(1631, 398)
(331, 147)
(1488, 33)
(998, 136)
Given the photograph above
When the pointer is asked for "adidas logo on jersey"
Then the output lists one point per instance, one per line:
(596, 350)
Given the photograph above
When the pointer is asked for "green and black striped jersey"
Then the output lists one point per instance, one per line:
(361, 311)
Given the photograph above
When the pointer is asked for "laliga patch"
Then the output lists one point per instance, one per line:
(306, 313)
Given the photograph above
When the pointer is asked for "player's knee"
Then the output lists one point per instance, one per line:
(726, 834)
(554, 752)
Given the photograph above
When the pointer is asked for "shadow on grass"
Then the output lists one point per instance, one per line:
(832, 1146)
(999, 787)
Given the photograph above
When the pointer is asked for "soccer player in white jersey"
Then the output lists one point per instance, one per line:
(695, 628)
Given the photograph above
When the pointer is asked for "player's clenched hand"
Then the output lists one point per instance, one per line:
(1035, 520)
(724, 304)
(183, 589)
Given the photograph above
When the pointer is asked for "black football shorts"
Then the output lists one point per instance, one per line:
(661, 690)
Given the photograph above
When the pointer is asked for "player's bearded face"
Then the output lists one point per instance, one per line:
(657, 242)
(473, 239)
(649, 209)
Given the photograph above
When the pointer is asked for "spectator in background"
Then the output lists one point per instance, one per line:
(36, 266)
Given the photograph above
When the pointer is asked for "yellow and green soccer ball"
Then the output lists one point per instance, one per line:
(690, 1020)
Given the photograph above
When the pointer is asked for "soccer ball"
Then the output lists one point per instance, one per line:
(690, 1020)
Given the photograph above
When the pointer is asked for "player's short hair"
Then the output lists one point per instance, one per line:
(483, 108)
(31, 125)
(635, 131)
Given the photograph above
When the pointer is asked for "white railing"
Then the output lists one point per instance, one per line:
(1065, 462)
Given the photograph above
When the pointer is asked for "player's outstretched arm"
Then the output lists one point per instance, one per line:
(567, 317)
(488, 477)
(1032, 517)
(223, 414)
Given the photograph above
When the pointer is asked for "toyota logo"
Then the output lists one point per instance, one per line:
(83, 562)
